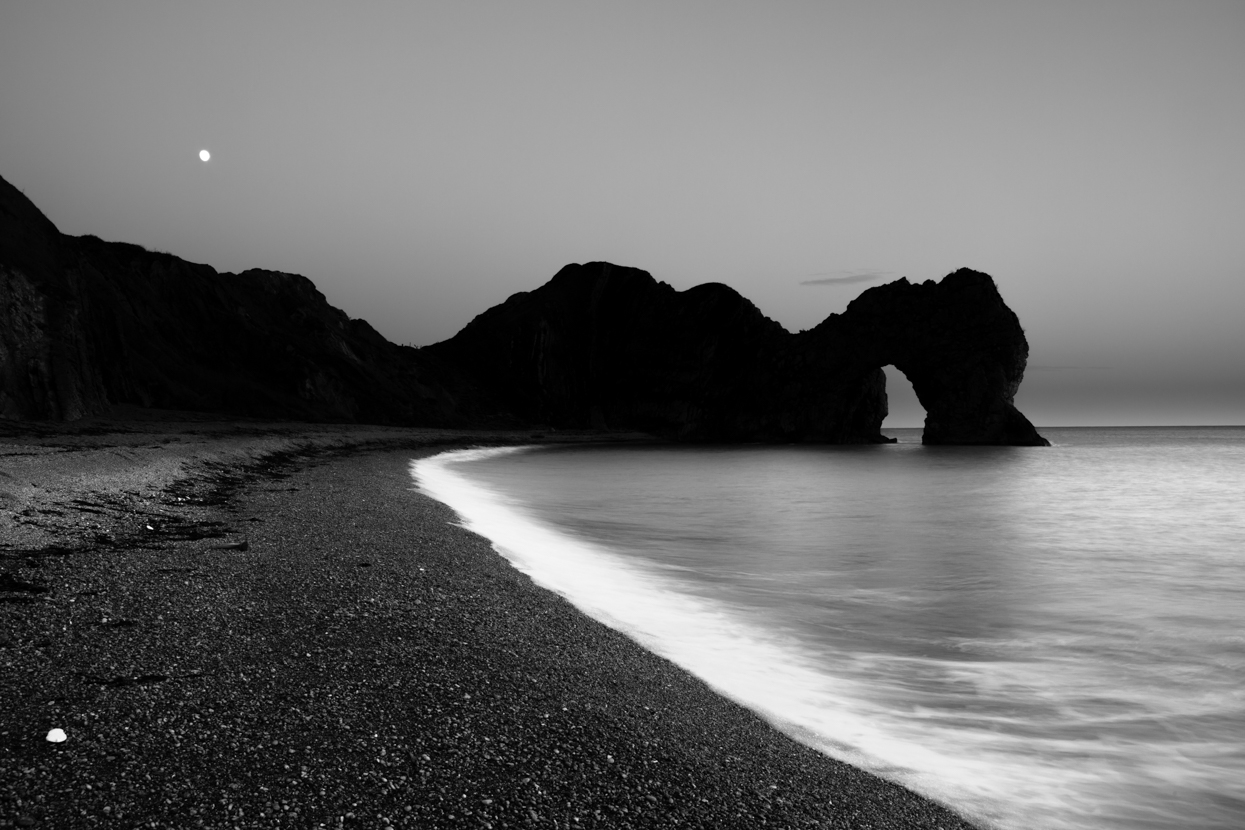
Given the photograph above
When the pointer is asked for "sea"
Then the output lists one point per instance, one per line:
(1036, 637)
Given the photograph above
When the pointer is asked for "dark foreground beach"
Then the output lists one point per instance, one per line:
(247, 625)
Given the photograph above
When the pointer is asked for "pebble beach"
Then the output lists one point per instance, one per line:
(244, 625)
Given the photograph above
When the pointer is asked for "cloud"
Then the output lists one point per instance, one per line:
(1040, 367)
(845, 277)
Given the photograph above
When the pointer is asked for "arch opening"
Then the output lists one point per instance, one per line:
(904, 410)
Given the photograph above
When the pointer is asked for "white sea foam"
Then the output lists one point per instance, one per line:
(998, 735)
(755, 668)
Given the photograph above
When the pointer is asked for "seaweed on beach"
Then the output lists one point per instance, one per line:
(122, 521)
(32, 556)
(9, 582)
(216, 484)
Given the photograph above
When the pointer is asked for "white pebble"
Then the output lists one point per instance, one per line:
(57, 736)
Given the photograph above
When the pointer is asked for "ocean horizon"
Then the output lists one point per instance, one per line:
(1035, 637)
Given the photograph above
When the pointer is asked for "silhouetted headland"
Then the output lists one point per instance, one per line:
(606, 346)
(87, 324)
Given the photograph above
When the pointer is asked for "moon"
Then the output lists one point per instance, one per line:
(204, 155)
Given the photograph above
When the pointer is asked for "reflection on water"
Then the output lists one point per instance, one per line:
(1041, 637)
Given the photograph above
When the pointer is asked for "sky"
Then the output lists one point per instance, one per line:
(420, 162)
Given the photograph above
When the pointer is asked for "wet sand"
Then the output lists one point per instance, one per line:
(250, 625)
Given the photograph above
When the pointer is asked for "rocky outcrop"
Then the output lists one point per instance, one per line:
(601, 345)
(957, 342)
(85, 324)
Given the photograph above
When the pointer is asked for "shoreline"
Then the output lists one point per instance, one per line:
(268, 626)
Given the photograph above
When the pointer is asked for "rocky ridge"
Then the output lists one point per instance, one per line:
(86, 325)
(606, 346)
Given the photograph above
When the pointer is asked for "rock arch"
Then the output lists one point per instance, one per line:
(605, 345)
(956, 341)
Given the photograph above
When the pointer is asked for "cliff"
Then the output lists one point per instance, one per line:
(87, 324)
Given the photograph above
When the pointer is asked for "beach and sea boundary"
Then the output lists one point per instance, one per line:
(241, 624)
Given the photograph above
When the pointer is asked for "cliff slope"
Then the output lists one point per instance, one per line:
(85, 324)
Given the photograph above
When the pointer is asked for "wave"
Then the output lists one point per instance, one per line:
(764, 672)
(991, 734)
